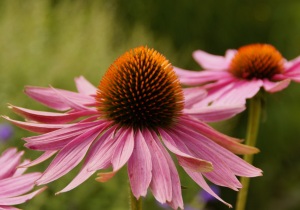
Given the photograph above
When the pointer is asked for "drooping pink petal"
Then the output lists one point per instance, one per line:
(193, 95)
(238, 166)
(102, 151)
(187, 77)
(292, 72)
(14, 186)
(198, 178)
(292, 65)
(215, 91)
(69, 156)
(240, 91)
(209, 61)
(85, 87)
(7, 155)
(36, 127)
(51, 117)
(69, 101)
(176, 201)
(273, 87)
(19, 171)
(50, 97)
(45, 156)
(214, 113)
(161, 184)
(20, 199)
(140, 166)
(8, 208)
(123, 149)
(57, 139)
(53, 144)
(221, 173)
(92, 158)
(200, 145)
(227, 142)
(9, 161)
(183, 154)
(64, 132)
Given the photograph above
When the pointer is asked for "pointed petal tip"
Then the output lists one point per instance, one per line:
(43, 189)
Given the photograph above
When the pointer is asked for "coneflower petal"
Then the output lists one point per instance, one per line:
(212, 62)
(198, 178)
(14, 186)
(140, 166)
(85, 87)
(9, 161)
(123, 149)
(215, 113)
(161, 184)
(69, 156)
(51, 117)
(20, 199)
(50, 98)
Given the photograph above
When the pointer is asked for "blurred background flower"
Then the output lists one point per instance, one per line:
(50, 41)
(6, 132)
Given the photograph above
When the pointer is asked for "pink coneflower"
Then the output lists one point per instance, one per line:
(137, 108)
(13, 183)
(241, 73)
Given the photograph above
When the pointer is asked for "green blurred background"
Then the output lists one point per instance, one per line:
(46, 42)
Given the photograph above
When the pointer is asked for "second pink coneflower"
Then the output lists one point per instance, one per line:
(239, 75)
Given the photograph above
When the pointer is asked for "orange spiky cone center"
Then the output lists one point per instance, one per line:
(140, 90)
(256, 61)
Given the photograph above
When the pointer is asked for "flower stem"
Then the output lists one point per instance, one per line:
(254, 115)
(135, 204)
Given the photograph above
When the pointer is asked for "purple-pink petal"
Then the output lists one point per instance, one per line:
(183, 154)
(198, 178)
(102, 151)
(193, 95)
(20, 199)
(51, 117)
(176, 201)
(8, 162)
(123, 149)
(69, 156)
(140, 166)
(209, 61)
(99, 154)
(227, 142)
(199, 77)
(45, 156)
(85, 87)
(36, 127)
(8, 208)
(214, 113)
(275, 86)
(14, 186)
(239, 92)
(161, 183)
(221, 173)
(54, 98)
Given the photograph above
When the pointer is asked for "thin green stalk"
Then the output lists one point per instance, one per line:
(254, 116)
(135, 204)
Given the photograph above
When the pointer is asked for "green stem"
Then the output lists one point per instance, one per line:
(135, 204)
(254, 115)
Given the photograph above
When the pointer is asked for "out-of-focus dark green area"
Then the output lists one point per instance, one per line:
(51, 42)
